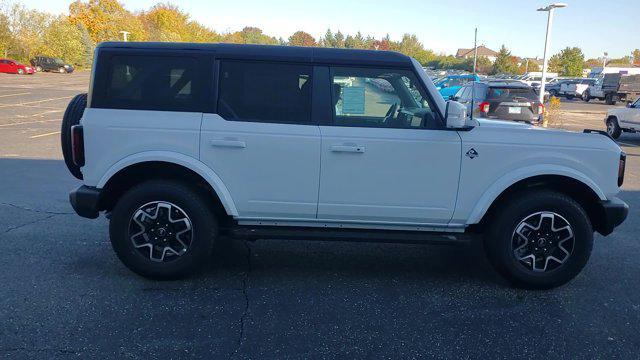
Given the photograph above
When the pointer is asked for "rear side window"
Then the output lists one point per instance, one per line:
(265, 92)
(134, 82)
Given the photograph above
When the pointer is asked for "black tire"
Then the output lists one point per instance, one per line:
(610, 99)
(501, 233)
(20, 72)
(613, 128)
(586, 96)
(191, 202)
(71, 117)
(569, 97)
(553, 92)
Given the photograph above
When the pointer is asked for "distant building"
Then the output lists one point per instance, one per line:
(482, 51)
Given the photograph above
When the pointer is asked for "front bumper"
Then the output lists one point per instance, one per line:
(84, 201)
(612, 213)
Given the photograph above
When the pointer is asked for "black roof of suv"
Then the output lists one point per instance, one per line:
(277, 53)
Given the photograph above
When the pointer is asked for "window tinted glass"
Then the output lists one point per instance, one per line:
(508, 94)
(380, 98)
(151, 83)
(265, 92)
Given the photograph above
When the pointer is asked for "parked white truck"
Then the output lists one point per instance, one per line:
(180, 144)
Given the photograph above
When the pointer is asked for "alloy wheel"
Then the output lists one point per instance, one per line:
(161, 231)
(543, 241)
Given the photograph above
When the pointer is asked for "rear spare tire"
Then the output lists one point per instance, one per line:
(72, 117)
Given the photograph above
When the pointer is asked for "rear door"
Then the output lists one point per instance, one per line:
(385, 156)
(261, 139)
(4, 66)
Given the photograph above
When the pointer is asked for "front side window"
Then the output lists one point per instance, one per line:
(151, 83)
(265, 92)
(380, 98)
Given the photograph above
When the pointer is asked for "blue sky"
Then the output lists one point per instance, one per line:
(594, 25)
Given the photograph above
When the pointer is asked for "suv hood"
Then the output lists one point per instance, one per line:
(501, 131)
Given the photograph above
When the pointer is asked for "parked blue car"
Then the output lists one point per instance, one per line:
(450, 85)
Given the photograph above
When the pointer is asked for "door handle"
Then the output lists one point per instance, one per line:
(229, 143)
(347, 148)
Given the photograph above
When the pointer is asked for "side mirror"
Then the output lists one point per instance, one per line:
(456, 115)
(454, 98)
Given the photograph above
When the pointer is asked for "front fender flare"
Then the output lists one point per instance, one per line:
(186, 161)
(504, 182)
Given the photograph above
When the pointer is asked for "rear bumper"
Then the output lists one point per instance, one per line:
(84, 201)
(613, 213)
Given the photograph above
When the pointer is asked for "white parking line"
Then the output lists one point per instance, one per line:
(28, 122)
(34, 102)
(43, 135)
(18, 94)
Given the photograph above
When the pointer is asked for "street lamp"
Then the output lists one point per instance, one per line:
(125, 35)
(547, 44)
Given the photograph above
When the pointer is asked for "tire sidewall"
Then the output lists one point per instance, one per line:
(500, 246)
(202, 219)
(616, 128)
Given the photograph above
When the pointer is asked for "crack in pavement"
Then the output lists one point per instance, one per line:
(25, 208)
(245, 313)
(29, 223)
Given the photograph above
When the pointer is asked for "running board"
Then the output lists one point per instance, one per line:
(347, 235)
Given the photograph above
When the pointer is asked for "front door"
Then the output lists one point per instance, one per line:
(262, 142)
(385, 156)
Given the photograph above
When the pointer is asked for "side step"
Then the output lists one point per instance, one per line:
(354, 235)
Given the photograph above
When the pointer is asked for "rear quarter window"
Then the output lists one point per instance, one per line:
(497, 93)
(149, 82)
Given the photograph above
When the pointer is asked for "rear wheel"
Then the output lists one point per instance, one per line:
(71, 117)
(61, 70)
(570, 97)
(20, 71)
(586, 96)
(610, 99)
(163, 229)
(539, 239)
(613, 129)
(39, 68)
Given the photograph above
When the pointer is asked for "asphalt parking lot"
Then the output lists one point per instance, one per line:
(64, 294)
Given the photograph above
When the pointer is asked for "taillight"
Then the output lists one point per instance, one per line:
(540, 109)
(621, 168)
(484, 107)
(77, 145)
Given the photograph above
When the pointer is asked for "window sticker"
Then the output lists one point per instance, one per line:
(353, 100)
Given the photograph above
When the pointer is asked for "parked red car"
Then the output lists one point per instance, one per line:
(14, 67)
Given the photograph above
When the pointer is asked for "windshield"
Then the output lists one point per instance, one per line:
(498, 93)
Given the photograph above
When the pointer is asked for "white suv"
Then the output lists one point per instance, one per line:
(623, 119)
(181, 143)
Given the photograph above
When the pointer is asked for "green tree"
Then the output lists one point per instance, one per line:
(505, 63)
(7, 42)
(250, 35)
(355, 42)
(411, 46)
(301, 38)
(63, 40)
(636, 56)
(27, 27)
(568, 62)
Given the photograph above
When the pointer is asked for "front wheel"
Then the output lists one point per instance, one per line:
(539, 239)
(613, 129)
(61, 70)
(20, 72)
(163, 229)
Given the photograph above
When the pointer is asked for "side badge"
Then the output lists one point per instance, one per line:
(472, 153)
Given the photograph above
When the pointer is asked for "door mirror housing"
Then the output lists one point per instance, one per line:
(456, 115)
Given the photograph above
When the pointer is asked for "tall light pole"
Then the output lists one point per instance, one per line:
(475, 51)
(547, 44)
(125, 35)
